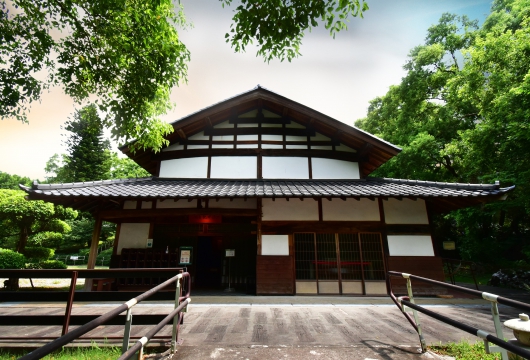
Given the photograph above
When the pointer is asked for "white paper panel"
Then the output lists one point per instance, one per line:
(281, 209)
(184, 168)
(272, 137)
(334, 169)
(282, 167)
(133, 235)
(224, 125)
(410, 245)
(274, 245)
(234, 167)
(350, 210)
(405, 211)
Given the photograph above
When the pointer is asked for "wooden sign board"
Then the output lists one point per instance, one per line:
(449, 245)
(230, 252)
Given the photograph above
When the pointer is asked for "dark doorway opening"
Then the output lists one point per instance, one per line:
(209, 261)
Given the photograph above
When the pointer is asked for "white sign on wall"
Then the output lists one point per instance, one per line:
(275, 245)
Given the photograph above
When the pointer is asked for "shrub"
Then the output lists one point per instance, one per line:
(518, 279)
(11, 259)
(52, 264)
(37, 253)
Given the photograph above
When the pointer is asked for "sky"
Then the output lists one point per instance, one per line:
(337, 77)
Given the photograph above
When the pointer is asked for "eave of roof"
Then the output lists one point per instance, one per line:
(454, 195)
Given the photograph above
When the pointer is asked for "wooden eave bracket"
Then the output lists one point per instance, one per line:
(181, 133)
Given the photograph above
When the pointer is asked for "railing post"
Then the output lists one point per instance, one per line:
(498, 327)
(176, 319)
(68, 310)
(415, 313)
(127, 332)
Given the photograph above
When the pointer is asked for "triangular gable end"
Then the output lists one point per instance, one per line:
(265, 123)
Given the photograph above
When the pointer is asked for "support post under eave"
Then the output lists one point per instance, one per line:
(93, 250)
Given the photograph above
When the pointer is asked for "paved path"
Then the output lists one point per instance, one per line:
(294, 327)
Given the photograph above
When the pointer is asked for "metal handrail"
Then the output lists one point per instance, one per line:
(76, 333)
(141, 343)
(405, 303)
(452, 270)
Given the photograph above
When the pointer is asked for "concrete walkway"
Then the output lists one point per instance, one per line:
(283, 327)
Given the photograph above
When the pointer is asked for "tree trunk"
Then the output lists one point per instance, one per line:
(21, 246)
(22, 240)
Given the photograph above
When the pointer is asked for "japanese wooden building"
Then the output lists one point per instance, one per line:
(282, 187)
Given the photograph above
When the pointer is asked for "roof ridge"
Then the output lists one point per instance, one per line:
(37, 186)
(438, 183)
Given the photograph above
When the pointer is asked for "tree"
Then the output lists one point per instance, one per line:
(88, 155)
(278, 26)
(462, 114)
(8, 181)
(128, 55)
(24, 219)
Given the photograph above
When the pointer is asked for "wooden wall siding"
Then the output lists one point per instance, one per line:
(274, 275)
(426, 266)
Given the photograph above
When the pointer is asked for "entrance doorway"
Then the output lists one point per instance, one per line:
(349, 264)
(209, 262)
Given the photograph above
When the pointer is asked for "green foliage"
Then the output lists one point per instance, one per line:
(36, 254)
(103, 257)
(126, 53)
(8, 181)
(464, 351)
(125, 168)
(81, 235)
(52, 264)
(11, 260)
(22, 218)
(93, 352)
(462, 114)
(278, 27)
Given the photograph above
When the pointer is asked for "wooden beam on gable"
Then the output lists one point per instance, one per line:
(181, 133)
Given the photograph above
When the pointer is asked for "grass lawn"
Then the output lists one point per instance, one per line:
(482, 279)
(81, 353)
(465, 351)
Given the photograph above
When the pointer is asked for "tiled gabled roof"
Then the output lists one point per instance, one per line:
(162, 188)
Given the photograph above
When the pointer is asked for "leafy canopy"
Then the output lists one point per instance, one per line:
(278, 26)
(127, 55)
(462, 113)
(22, 218)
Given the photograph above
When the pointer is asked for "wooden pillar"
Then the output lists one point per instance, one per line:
(93, 250)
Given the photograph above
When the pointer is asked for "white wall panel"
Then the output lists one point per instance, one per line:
(282, 167)
(281, 209)
(184, 168)
(199, 136)
(191, 147)
(274, 244)
(270, 114)
(234, 204)
(406, 211)
(350, 210)
(172, 147)
(133, 235)
(321, 147)
(224, 125)
(247, 146)
(129, 204)
(253, 125)
(320, 137)
(271, 125)
(172, 204)
(344, 148)
(234, 167)
(147, 204)
(222, 146)
(247, 137)
(295, 138)
(272, 137)
(271, 146)
(334, 169)
(410, 245)
(296, 147)
(223, 138)
(250, 114)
